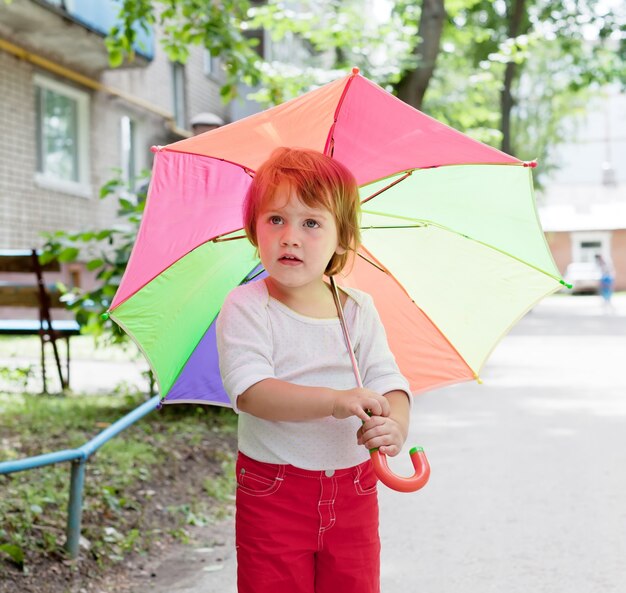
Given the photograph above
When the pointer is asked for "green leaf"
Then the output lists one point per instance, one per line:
(116, 57)
(126, 204)
(15, 553)
(68, 254)
(94, 264)
(109, 187)
(46, 257)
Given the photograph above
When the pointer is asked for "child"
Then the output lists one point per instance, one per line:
(306, 507)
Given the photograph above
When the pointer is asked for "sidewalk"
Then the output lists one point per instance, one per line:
(208, 566)
(93, 370)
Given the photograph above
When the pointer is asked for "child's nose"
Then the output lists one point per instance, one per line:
(289, 237)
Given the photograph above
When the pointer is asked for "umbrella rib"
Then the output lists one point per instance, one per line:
(425, 223)
(384, 189)
(399, 226)
(224, 238)
(373, 263)
(251, 278)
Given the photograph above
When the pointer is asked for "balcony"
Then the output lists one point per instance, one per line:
(69, 32)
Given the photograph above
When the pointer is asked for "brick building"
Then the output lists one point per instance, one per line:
(68, 120)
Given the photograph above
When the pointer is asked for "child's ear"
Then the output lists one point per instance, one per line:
(340, 250)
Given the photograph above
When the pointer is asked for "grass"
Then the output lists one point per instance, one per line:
(171, 470)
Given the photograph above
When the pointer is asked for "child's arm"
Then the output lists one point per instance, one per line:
(388, 434)
(272, 399)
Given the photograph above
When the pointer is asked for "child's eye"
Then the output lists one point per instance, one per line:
(311, 224)
(276, 220)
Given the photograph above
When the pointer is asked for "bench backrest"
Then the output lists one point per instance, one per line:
(27, 291)
(21, 261)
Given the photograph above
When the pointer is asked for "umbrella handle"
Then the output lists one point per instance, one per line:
(400, 483)
(418, 457)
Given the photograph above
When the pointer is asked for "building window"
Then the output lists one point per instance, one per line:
(586, 245)
(259, 36)
(128, 150)
(179, 98)
(62, 114)
(212, 65)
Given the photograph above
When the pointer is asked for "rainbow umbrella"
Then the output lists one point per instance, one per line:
(453, 250)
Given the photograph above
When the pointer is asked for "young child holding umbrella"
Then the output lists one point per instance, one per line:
(306, 509)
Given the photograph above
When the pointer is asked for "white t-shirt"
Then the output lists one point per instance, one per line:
(258, 337)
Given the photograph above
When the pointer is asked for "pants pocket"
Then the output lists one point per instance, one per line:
(366, 482)
(256, 478)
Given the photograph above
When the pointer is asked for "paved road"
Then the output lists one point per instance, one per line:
(529, 469)
(528, 486)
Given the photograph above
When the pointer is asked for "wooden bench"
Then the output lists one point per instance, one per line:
(26, 288)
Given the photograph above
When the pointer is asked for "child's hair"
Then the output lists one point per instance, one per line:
(319, 181)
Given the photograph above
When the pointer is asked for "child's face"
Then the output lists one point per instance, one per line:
(295, 241)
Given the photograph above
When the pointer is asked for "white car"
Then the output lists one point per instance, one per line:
(585, 277)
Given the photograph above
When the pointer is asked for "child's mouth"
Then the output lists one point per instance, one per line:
(289, 260)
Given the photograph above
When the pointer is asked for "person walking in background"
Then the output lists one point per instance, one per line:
(606, 282)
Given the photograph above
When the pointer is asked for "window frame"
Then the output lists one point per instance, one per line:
(128, 151)
(45, 180)
(179, 94)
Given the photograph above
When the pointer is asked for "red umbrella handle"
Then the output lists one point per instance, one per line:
(400, 483)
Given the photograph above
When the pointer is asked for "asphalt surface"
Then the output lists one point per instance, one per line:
(528, 484)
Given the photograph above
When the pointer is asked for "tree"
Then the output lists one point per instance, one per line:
(581, 31)
(414, 82)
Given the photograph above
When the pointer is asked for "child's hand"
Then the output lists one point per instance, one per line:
(358, 402)
(385, 434)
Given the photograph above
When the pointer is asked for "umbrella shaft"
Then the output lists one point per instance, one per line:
(346, 335)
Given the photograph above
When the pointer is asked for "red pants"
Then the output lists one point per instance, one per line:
(300, 531)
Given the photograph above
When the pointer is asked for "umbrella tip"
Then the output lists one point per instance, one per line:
(155, 148)
(355, 71)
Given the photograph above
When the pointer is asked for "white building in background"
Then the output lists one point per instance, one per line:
(583, 205)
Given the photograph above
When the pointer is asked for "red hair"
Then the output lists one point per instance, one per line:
(318, 180)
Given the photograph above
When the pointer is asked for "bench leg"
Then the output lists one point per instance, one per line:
(57, 359)
(67, 363)
(42, 339)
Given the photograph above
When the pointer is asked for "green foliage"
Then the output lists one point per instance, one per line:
(17, 375)
(217, 26)
(221, 487)
(122, 479)
(106, 252)
(15, 553)
(546, 103)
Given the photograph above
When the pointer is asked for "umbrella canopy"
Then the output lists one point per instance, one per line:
(453, 252)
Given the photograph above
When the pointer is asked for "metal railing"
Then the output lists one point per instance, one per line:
(79, 457)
